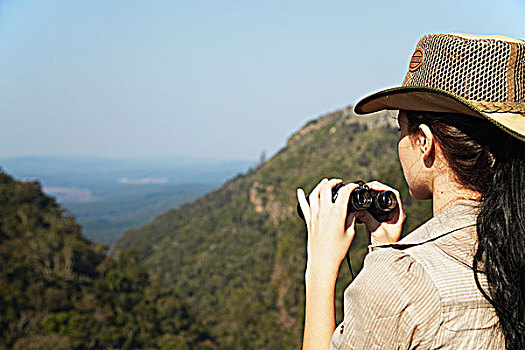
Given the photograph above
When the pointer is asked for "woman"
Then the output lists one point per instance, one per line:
(458, 281)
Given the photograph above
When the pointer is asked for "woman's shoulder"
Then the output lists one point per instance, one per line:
(397, 272)
(397, 285)
(392, 302)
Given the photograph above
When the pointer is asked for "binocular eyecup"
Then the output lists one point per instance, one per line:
(376, 202)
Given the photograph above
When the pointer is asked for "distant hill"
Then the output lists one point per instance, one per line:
(130, 206)
(59, 291)
(111, 195)
(238, 253)
(86, 172)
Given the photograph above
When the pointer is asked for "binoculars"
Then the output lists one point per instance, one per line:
(364, 198)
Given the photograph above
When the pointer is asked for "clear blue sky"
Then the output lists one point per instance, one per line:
(208, 78)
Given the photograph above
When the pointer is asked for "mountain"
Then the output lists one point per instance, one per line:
(111, 195)
(60, 291)
(237, 255)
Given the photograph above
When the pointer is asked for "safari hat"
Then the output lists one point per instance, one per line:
(477, 75)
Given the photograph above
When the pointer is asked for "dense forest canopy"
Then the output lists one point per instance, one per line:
(60, 291)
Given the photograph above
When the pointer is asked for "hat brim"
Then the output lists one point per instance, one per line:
(417, 98)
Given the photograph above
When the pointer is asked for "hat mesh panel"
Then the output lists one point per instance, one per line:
(520, 74)
(474, 70)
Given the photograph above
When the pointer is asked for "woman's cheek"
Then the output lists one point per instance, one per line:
(401, 151)
(406, 164)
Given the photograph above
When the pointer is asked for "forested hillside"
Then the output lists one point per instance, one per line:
(238, 254)
(60, 291)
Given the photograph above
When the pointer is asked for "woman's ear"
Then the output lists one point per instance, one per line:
(426, 142)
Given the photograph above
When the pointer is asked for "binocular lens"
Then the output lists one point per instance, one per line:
(386, 201)
(360, 199)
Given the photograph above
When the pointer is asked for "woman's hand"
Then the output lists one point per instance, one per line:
(329, 238)
(390, 228)
(329, 235)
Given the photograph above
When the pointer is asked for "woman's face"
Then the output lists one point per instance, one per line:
(411, 159)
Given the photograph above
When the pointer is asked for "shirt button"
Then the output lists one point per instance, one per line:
(342, 328)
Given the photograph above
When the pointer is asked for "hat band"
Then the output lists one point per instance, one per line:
(499, 107)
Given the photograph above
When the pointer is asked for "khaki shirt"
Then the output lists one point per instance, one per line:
(420, 293)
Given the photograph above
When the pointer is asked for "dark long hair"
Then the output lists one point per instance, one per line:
(487, 160)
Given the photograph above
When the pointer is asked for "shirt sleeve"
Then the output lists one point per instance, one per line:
(392, 304)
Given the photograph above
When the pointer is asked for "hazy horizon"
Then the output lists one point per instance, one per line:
(130, 157)
(135, 79)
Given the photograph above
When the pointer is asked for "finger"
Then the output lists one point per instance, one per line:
(326, 191)
(343, 195)
(341, 203)
(370, 222)
(314, 198)
(376, 185)
(303, 203)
